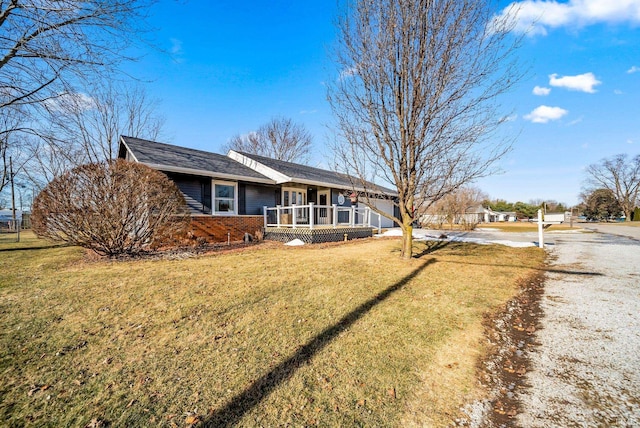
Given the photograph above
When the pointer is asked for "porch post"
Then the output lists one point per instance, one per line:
(293, 209)
(368, 216)
(353, 216)
(310, 215)
(278, 215)
(264, 214)
(335, 215)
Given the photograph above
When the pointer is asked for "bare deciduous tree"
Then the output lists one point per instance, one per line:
(416, 102)
(85, 127)
(47, 45)
(280, 138)
(12, 128)
(453, 207)
(621, 176)
(112, 208)
(50, 47)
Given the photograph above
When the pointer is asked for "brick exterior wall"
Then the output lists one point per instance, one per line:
(215, 229)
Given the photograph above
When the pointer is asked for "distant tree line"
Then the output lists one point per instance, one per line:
(525, 210)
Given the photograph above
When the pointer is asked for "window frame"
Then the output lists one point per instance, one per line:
(302, 192)
(214, 198)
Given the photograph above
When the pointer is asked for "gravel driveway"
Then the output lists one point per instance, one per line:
(585, 370)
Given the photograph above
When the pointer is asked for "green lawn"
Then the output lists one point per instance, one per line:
(340, 335)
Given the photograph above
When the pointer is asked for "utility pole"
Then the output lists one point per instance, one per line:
(13, 200)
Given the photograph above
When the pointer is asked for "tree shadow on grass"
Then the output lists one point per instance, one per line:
(542, 269)
(42, 247)
(431, 246)
(242, 403)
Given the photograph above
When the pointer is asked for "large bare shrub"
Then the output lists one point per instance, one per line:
(112, 208)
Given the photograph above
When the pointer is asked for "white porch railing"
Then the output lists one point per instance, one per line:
(313, 216)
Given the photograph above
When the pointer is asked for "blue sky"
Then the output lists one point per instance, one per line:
(235, 65)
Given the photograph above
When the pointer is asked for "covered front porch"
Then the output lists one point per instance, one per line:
(319, 223)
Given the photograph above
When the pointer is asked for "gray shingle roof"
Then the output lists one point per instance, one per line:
(175, 157)
(304, 173)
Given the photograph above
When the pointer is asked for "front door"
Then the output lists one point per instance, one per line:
(323, 202)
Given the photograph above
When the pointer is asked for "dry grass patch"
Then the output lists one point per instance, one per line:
(338, 336)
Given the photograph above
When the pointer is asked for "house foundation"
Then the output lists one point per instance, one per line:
(317, 235)
(227, 228)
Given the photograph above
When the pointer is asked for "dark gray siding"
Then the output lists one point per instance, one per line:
(256, 197)
(197, 191)
(343, 216)
(334, 198)
(191, 188)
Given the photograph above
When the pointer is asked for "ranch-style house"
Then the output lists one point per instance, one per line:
(239, 193)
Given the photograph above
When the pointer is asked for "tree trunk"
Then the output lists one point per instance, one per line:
(407, 242)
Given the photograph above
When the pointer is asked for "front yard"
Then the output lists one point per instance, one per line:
(338, 335)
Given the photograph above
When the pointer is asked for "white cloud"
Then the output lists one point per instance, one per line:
(633, 69)
(308, 111)
(575, 122)
(538, 16)
(349, 72)
(70, 101)
(176, 50)
(544, 114)
(582, 82)
(541, 91)
(176, 46)
(618, 92)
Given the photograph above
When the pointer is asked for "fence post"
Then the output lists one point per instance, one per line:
(310, 215)
(278, 215)
(264, 215)
(335, 215)
(540, 230)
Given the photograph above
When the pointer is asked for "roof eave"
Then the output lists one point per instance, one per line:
(259, 167)
(335, 185)
(126, 146)
(205, 173)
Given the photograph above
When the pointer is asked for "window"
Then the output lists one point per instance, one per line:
(294, 196)
(224, 198)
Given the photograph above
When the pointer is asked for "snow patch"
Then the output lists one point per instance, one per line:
(448, 236)
(295, 243)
